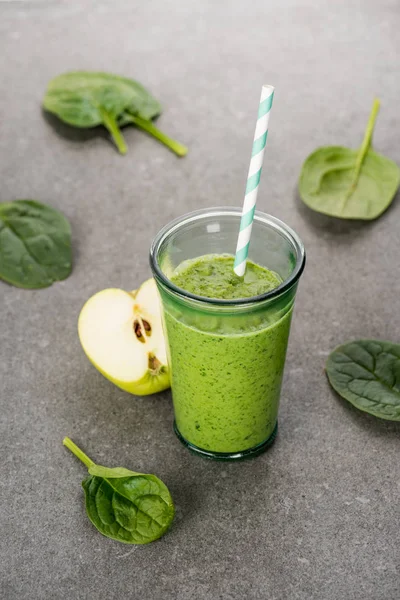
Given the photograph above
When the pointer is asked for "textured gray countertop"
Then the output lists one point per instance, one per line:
(316, 517)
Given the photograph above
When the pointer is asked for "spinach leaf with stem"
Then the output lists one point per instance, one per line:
(350, 184)
(126, 506)
(367, 374)
(35, 244)
(87, 99)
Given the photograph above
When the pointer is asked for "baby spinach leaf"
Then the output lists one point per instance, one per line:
(350, 184)
(367, 374)
(35, 244)
(126, 506)
(88, 99)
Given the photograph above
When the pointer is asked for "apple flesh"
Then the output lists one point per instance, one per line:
(121, 334)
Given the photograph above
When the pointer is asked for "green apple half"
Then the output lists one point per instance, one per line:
(121, 334)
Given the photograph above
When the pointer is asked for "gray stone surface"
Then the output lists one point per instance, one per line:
(315, 518)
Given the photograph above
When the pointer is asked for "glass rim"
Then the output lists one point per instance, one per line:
(259, 216)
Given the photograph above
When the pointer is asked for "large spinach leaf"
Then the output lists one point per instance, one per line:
(367, 374)
(350, 184)
(88, 99)
(123, 505)
(35, 244)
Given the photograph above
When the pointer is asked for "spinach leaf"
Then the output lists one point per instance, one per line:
(123, 505)
(35, 244)
(350, 184)
(88, 99)
(367, 374)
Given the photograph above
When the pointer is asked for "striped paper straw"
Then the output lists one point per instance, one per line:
(253, 179)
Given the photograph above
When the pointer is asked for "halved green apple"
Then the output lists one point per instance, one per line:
(121, 334)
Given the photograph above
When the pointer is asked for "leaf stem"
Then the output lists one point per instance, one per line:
(78, 452)
(111, 124)
(365, 146)
(146, 125)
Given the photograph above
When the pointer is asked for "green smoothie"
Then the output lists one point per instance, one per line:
(226, 366)
(213, 276)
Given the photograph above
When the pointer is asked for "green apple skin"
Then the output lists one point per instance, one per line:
(148, 385)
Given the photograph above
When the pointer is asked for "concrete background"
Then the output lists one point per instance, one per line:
(317, 517)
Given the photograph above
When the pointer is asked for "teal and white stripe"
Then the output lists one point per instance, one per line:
(253, 179)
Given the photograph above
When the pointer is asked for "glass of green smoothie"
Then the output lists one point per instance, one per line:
(226, 335)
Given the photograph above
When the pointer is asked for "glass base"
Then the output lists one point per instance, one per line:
(249, 453)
